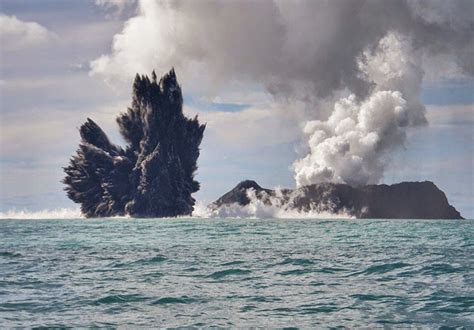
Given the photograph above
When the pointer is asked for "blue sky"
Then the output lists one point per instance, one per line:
(48, 87)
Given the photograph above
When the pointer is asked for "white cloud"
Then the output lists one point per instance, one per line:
(17, 35)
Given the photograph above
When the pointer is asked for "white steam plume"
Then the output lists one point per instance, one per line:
(355, 143)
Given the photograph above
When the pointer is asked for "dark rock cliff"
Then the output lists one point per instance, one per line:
(406, 200)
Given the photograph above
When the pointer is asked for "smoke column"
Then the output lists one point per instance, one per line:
(355, 143)
(154, 175)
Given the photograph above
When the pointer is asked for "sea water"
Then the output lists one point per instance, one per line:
(236, 272)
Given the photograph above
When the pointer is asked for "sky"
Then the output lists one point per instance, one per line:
(265, 80)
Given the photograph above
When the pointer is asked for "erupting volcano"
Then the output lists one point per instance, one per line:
(154, 175)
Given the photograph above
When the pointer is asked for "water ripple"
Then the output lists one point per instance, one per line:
(228, 272)
(174, 300)
(382, 268)
(119, 299)
(236, 273)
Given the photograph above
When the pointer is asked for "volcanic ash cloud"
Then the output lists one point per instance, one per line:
(154, 175)
(354, 144)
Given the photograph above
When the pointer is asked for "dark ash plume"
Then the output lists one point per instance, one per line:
(154, 175)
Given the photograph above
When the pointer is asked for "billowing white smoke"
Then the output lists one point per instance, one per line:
(302, 50)
(355, 143)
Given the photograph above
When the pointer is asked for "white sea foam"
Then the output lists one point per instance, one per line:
(256, 209)
(272, 208)
(262, 211)
(60, 213)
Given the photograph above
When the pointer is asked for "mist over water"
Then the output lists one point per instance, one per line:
(60, 213)
(236, 272)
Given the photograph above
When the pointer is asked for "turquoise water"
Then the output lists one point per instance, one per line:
(216, 272)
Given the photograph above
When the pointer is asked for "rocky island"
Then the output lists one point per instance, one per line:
(405, 200)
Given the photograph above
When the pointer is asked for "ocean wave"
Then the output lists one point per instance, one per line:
(119, 299)
(227, 272)
(175, 300)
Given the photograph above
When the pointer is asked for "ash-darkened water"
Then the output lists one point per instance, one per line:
(216, 272)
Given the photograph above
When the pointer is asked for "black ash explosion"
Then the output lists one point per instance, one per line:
(154, 175)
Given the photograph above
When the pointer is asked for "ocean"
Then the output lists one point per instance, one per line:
(236, 272)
